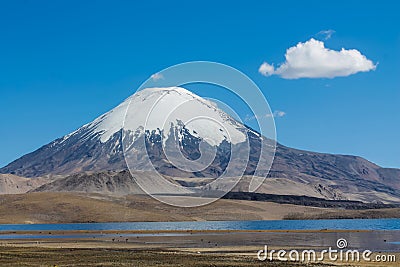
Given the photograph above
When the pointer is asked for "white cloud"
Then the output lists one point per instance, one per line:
(157, 76)
(312, 60)
(275, 114)
(266, 69)
(327, 34)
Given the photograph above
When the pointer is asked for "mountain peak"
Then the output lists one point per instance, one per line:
(159, 108)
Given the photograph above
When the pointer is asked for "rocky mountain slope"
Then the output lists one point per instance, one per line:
(12, 184)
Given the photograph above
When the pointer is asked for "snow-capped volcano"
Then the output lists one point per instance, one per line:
(147, 124)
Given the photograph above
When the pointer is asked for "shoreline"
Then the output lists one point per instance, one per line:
(174, 221)
(172, 239)
(186, 231)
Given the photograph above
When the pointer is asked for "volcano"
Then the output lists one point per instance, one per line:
(170, 126)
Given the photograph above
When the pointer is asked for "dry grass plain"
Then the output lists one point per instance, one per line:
(100, 253)
(48, 207)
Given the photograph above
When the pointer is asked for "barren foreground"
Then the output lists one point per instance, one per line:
(187, 248)
(123, 257)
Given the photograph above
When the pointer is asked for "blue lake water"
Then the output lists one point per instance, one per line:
(82, 235)
(356, 224)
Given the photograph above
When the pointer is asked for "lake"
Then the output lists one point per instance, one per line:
(351, 224)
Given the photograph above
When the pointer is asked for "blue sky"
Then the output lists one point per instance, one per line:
(63, 63)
